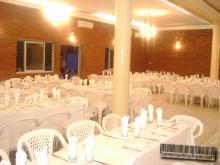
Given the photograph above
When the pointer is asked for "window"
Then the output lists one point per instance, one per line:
(34, 56)
(109, 58)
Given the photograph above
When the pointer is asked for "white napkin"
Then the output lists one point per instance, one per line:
(143, 118)
(41, 156)
(73, 147)
(4, 162)
(124, 125)
(66, 76)
(137, 126)
(151, 112)
(80, 81)
(41, 95)
(16, 94)
(21, 157)
(159, 116)
(90, 147)
(58, 93)
(85, 82)
(35, 97)
(7, 99)
(54, 92)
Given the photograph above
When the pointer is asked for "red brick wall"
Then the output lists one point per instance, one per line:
(18, 22)
(193, 58)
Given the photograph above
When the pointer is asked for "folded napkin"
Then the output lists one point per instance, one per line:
(41, 156)
(35, 98)
(73, 147)
(85, 82)
(41, 95)
(21, 157)
(16, 94)
(159, 116)
(66, 76)
(124, 125)
(137, 126)
(58, 93)
(151, 112)
(4, 162)
(54, 92)
(7, 99)
(90, 147)
(80, 81)
(143, 118)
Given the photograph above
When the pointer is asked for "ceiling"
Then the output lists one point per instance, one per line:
(174, 17)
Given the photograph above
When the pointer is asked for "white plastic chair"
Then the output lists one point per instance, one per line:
(16, 83)
(142, 91)
(10, 132)
(4, 156)
(182, 90)
(168, 89)
(213, 93)
(193, 122)
(75, 80)
(197, 91)
(83, 128)
(55, 121)
(67, 85)
(79, 102)
(111, 121)
(38, 139)
(66, 93)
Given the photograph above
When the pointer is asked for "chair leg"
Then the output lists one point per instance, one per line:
(171, 98)
(209, 103)
(201, 102)
(185, 100)
(191, 100)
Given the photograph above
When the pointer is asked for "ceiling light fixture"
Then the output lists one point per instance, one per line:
(153, 12)
(72, 38)
(178, 45)
(57, 13)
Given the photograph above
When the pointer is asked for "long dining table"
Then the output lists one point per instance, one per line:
(111, 148)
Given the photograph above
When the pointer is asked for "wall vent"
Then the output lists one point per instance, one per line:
(85, 24)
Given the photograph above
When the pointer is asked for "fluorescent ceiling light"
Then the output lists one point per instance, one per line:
(150, 12)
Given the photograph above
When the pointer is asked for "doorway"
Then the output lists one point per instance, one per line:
(70, 61)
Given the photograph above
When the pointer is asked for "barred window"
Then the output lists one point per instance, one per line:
(34, 56)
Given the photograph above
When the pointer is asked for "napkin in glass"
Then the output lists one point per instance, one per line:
(90, 147)
(17, 95)
(7, 99)
(143, 118)
(124, 125)
(21, 157)
(72, 149)
(41, 156)
(159, 116)
(151, 112)
(137, 126)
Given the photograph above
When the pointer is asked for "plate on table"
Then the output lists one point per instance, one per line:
(63, 154)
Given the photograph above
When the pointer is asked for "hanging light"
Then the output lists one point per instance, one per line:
(72, 38)
(57, 13)
(178, 45)
(148, 30)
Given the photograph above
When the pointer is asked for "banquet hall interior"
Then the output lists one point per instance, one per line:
(109, 82)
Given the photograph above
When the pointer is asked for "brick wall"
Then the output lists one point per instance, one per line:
(18, 22)
(193, 58)
(25, 23)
